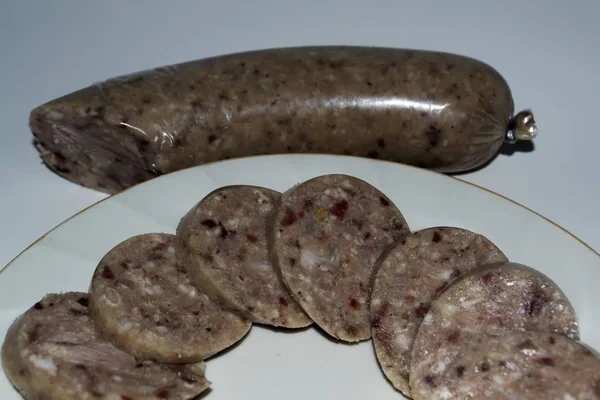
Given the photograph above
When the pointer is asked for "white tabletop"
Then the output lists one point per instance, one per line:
(549, 52)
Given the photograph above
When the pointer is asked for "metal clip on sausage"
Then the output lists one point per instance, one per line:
(521, 127)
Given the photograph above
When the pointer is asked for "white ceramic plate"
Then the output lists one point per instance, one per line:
(299, 365)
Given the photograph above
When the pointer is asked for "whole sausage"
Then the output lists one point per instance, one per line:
(430, 109)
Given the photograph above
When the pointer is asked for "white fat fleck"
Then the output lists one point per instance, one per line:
(204, 297)
(376, 301)
(529, 351)
(255, 265)
(568, 396)
(43, 363)
(470, 303)
(261, 198)
(265, 209)
(428, 318)
(162, 329)
(510, 283)
(123, 286)
(445, 393)
(403, 341)
(312, 257)
(187, 289)
(499, 379)
(55, 115)
(124, 325)
(446, 274)
(156, 317)
(448, 309)
(233, 223)
(347, 236)
(111, 297)
(275, 313)
(150, 265)
(147, 281)
(135, 311)
(440, 366)
(117, 378)
(171, 249)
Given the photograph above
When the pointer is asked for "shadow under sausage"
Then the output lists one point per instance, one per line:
(506, 149)
(203, 395)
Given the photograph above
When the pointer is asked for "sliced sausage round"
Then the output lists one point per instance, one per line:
(410, 277)
(226, 233)
(53, 351)
(494, 300)
(142, 299)
(520, 365)
(325, 239)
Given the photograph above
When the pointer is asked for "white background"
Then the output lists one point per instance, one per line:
(549, 52)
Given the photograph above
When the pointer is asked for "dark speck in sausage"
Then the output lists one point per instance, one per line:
(62, 169)
(144, 144)
(367, 235)
(162, 393)
(146, 100)
(123, 397)
(38, 306)
(224, 232)
(83, 301)
(487, 278)
(339, 208)
(289, 218)
(429, 380)
(211, 138)
(107, 273)
(551, 340)
(354, 304)
(209, 223)
(292, 261)
(409, 298)
(484, 366)
(436, 237)
(251, 238)
(453, 337)
(357, 223)
(420, 310)
(34, 334)
(539, 299)
(454, 274)
(548, 361)
(380, 142)
(369, 83)
(373, 154)
(283, 302)
(160, 246)
(241, 276)
(460, 370)
(352, 331)
(433, 136)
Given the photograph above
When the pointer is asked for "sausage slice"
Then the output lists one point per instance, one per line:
(142, 299)
(493, 300)
(226, 233)
(325, 239)
(53, 351)
(410, 277)
(521, 365)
